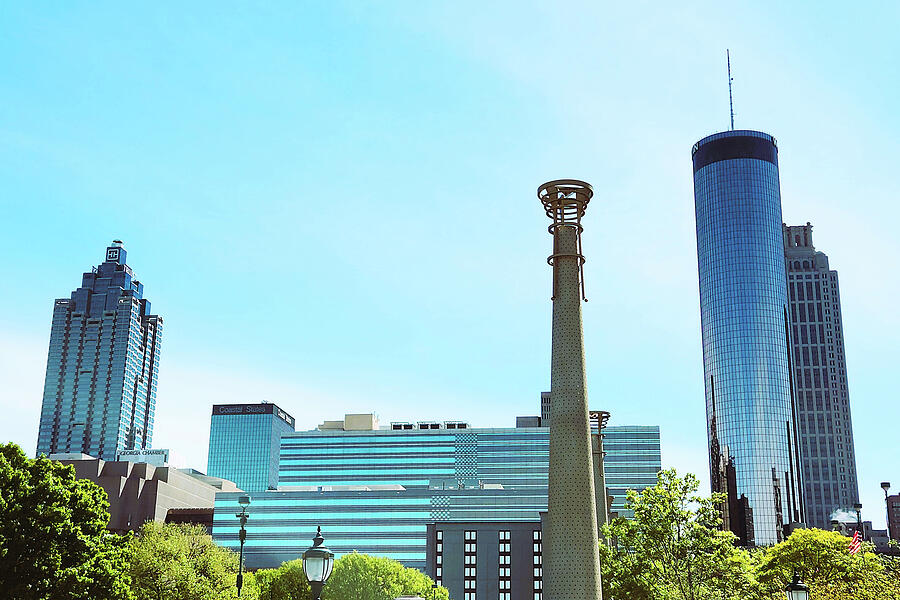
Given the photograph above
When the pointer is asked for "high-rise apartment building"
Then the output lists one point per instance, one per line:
(820, 376)
(103, 365)
(243, 444)
(745, 331)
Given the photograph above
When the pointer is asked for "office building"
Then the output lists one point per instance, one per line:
(243, 444)
(140, 492)
(893, 516)
(376, 490)
(487, 559)
(632, 462)
(754, 456)
(103, 365)
(827, 454)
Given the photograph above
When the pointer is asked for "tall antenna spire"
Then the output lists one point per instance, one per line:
(730, 79)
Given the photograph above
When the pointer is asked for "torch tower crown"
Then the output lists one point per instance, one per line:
(565, 201)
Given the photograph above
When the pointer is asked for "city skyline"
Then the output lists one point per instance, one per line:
(221, 183)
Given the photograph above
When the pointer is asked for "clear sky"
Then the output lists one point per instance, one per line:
(333, 206)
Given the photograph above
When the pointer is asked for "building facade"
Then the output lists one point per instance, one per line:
(828, 457)
(754, 456)
(487, 559)
(893, 516)
(140, 492)
(244, 441)
(376, 490)
(102, 366)
(632, 461)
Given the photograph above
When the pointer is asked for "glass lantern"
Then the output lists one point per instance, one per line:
(317, 564)
(796, 590)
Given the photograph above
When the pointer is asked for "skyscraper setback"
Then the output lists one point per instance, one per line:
(820, 373)
(745, 329)
(103, 365)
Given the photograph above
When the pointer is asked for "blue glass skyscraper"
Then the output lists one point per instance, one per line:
(746, 339)
(244, 440)
(103, 365)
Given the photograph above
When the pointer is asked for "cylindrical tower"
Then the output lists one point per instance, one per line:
(743, 309)
(571, 557)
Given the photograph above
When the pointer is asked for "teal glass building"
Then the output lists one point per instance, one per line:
(244, 444)
(754, 451)
(376, 491)
(102, 366)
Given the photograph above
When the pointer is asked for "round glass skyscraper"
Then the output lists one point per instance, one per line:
(746, 361)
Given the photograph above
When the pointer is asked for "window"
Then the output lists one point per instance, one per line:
(439, 557)
(538, 577)
(503, 569)
(470, 574)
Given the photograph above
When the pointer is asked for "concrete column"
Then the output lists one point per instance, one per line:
(571, 565)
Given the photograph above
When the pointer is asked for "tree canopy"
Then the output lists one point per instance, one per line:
(673, 547)
(287, 582)
(355, 577)
(823, 561)
(364, 577)
(53, 539)
(181, 562)
(673, 550)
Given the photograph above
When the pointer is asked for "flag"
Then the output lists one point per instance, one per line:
(855, 543)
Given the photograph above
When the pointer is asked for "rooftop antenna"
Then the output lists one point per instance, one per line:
(730, 79)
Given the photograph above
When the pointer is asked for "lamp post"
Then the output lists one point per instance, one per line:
(858, 508)
(886, 485)
(796, 590)
(317, 563)
(244, 501)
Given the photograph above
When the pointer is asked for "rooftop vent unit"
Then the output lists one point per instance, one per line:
(455, 425)
(429, 425)
(401, 426)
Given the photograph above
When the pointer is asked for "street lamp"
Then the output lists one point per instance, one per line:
(317, 563)
(886, 485)
(858, 508)
(244, 501)
(796, 590)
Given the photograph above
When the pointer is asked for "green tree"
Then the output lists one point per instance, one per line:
(673, 548)
(363, 577)
(53, 539)
(823, 561)
(181, 562)
(287, 582)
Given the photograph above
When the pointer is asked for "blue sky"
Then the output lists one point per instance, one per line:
(333, 204)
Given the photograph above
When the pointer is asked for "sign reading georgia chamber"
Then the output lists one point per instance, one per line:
(154, 456)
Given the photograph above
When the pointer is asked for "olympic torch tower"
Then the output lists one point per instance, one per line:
(570, 548)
